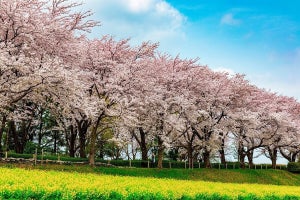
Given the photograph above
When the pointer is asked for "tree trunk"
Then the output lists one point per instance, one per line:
(133, 152)
(118, 154)
(14, 134)
(222, 156)
(7, 138)
(93, 140)
(250, 158)
(82, 130)
(144, 148)
(274, 162)
(127, 152)
(273, 156)
(222, 149)
(242, 160)
(23, 136)
(82, 142)
(55, 142)
(92, 152)
(241, 155)
(143, 145)
(101, 144)
(160, 154)
(40, 134)
(294, 156)
(1, 133)
(190, 155)
(291, 156)
(72, 141)
(206, 158)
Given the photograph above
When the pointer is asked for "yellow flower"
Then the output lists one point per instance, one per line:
(71, 184)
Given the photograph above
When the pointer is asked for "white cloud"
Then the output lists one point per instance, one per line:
(276, 82)
(141, 20)
(223, 69)
(138, 5)
(165, 9)
(228, 19)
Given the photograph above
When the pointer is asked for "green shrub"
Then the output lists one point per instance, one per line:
(30, 148)
(17, 155)
(294, 167)
(143, 163)
(47, 157)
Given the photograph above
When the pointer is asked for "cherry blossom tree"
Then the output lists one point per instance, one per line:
(35, 41)
(107, 68)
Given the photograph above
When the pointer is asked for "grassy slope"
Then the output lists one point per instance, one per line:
(274, 177)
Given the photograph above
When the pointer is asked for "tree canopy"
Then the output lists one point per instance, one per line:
(59, 88)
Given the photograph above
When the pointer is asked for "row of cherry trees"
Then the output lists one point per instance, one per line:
(54, 81)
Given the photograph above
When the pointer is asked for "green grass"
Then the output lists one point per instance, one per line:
(273, 177)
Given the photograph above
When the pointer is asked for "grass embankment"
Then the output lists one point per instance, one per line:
(273, 177)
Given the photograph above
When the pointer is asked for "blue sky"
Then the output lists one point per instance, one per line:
(259, 38)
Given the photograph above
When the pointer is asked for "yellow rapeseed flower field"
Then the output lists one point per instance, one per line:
(72, 183)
